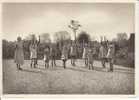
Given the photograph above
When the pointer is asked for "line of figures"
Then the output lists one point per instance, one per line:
(106, 54)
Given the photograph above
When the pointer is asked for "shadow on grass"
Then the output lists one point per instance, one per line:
(74, 69)
(32, 71)
(99, 69)
(123, 71)
(129, 70)
(83, 69)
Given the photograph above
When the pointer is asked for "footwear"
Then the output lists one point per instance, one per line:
(31, 65)
(35, 66)
(111, 70)
(20, 68)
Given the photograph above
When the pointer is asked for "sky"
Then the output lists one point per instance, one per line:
(97, 19)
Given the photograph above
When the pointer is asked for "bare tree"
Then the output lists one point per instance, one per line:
(121, 36)
(62, 36)
(45, 38)
(30, 37)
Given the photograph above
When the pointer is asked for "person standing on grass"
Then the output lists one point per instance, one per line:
(33, 52)
(85, 52)
(90, 59)
(53, 55)
(110, 55)
(103, 53)
(73, 53)
(46, 56)
(64, 56)
(19, 54)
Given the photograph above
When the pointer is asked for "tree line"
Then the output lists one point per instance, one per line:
(124, 46)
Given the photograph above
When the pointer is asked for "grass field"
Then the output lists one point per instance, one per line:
(72, 80)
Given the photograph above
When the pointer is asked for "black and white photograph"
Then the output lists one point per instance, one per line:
(68, 48)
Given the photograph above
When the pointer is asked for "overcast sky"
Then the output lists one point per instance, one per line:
(96, 19)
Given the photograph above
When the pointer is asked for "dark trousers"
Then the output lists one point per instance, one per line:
(111, 61)
(103, 61)
(90, 64)
(33, 62)
(46, 64)
(53, 62)
(18, 66)
(64, 63)
(86, 61)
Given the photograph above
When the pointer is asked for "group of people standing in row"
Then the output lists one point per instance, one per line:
(106, 53)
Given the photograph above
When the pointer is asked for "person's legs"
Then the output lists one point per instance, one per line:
(103, 62)
(31, 63)
(84, 61)
(54, 61)
(48, 64)
(64, 63)
(111, 64)
(34, 62)
(45, 63)
(20, 67)
(71, 61)
(74, 61)
(92, 65)
(17, 66)
(89, 66)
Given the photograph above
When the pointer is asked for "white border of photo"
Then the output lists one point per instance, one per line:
(33, 96)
